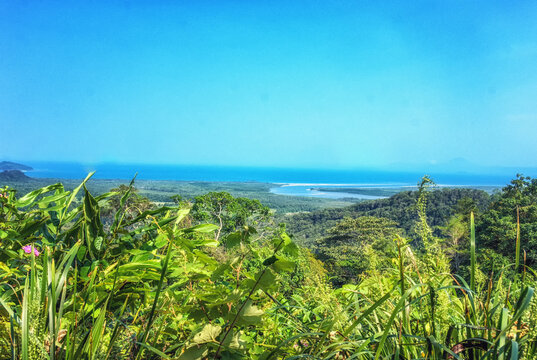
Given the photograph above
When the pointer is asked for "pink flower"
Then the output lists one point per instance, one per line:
(28, 249)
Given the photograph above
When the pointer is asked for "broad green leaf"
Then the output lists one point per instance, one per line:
(250, 314)
(98, 242)
(283, 265)
(233, 239)
(235, 342)
(208, 333)
(81, 253)
(286, 239)
(291, 249)
(56, 197)
(267, 279)
(161, 241)
(32, 196)
(202, 228)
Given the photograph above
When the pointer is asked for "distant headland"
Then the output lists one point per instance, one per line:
(10, 171)
(8, 165)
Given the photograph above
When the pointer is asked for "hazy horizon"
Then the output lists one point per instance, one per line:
(441, 174)
(457, 165)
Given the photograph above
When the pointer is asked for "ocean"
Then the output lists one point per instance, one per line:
(289, 181)
(357, 177)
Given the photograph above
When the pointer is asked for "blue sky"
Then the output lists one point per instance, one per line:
(327, 84)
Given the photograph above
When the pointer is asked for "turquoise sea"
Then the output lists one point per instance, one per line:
(261, 174)
(289, 181)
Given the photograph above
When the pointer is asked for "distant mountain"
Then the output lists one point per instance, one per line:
(8, 165)
(13, 175)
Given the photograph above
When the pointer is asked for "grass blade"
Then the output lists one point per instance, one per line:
(472, 252)
(25, 332)
(517, 254)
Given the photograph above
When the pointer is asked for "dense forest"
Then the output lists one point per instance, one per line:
(162, 192)
(427, 274)
(401, 208)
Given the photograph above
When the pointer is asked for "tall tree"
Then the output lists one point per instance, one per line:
(498, 226)
(227, 212)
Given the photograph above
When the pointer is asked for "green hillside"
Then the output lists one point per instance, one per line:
(400, 208)
(116, 276)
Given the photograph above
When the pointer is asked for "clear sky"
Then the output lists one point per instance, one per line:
(324, 84)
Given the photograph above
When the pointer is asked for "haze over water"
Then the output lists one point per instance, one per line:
(358, 177)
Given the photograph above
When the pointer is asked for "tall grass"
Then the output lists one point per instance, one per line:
(148, 287)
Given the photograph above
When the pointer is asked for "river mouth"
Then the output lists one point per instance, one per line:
(331, 191)
(360, 191)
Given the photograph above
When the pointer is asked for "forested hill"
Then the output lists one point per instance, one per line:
(13, 175)
(441, 204)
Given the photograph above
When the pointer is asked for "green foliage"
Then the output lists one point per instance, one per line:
(227, 212)
(401, 208)
(98, 291)
(165, 192)
(422, 228)
(356, 246)
(108, 284)
(497, 228)
(125, 204)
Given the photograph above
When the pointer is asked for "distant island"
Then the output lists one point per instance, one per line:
(8, 165)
